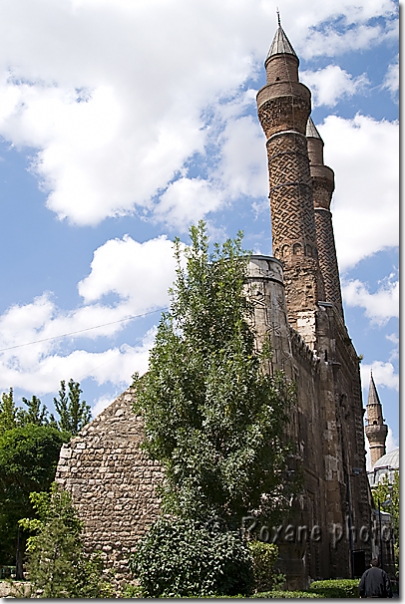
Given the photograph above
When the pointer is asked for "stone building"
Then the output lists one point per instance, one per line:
(298, 304)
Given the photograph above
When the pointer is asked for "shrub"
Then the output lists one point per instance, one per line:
(288, 594)
(185, 558)
(57, 564)
(264, 556)
(336, 588)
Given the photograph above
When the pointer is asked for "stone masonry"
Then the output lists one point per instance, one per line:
(112, 482)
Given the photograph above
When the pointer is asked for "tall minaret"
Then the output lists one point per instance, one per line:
(323, 184)
(284, 105)
(376, 430)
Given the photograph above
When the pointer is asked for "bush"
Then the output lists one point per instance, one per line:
(185, 558)
(264, 556)
(288, 594)
(336, 588)
(57, 564)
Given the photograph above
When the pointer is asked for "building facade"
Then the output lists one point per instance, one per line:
(298, 305)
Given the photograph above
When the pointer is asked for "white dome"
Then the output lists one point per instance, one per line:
(389, 461)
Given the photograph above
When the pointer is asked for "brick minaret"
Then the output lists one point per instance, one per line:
(323, 184)
(376, 430)
(284, 105)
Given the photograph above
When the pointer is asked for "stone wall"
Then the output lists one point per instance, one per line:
(112, 482)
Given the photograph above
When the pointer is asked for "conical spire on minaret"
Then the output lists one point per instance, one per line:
(312, 131)
(281, 44)
(373, 398)
(376, 430)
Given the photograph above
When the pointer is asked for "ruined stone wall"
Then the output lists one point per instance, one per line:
(112, 482)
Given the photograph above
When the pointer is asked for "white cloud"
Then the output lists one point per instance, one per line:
(139, 272)
(379, 306)
(113, 97)
(332, 83)
(43, 373)
(188, 200)
(391, 80)
(242, 168)
(383, 374)
(363, 153)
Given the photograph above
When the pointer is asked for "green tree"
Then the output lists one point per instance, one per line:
(180, 557)
(74, 414)
(28, 459)
(386, 492)
(36, 413)
(58, 566)
(8, 412)
(213, 416)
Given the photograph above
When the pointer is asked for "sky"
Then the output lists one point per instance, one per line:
(123, 122)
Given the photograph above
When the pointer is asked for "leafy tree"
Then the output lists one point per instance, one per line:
(57, 564)
(8, 412)
(74, 414)
(384, 492)
(36, 413)
(185, 558)
(28, 459)
(30, 441)
(214, 418)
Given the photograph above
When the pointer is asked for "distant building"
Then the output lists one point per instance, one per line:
(383, 465)
(387, 465)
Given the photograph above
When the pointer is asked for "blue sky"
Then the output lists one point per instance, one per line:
(122, 123)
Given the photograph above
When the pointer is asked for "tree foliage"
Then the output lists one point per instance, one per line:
(213, 416)
(180, 557)
(28, 459)
(8, 412)
(74, 414)
(264, 556)
(388, 494)
(30, 442)
(58, 566)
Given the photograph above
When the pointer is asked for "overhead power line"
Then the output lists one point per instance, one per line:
(72, 333)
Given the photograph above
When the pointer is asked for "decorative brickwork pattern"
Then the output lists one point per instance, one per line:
(284, 113)
(327, 257)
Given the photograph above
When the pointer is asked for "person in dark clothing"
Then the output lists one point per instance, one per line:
(375, 582)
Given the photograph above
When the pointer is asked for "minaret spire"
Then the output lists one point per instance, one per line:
(278, 18)
(376, 429)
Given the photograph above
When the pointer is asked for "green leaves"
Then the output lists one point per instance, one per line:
(213, 417)
(28, 459)
(74, 414)
(186, 558)
(58, 566)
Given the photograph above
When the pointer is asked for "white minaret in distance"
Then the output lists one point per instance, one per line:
(376, 429)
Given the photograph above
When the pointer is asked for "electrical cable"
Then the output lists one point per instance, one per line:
(65, 335)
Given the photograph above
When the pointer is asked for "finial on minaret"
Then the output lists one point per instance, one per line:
(278, 18)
